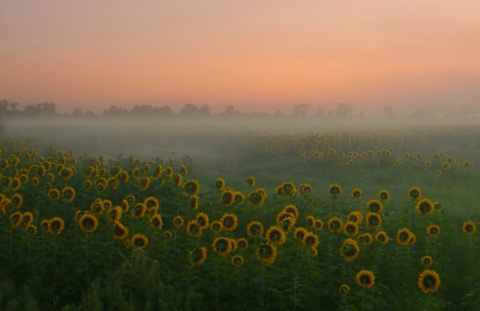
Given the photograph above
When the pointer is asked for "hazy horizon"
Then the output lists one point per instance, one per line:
(255, 56)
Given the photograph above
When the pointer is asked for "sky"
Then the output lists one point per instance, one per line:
(255, 55)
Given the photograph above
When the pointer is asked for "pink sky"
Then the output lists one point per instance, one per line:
(255, 55)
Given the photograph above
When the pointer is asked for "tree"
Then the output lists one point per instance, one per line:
(204, 110)
(188, 110)
(343, 110)
(77, 112)
(231, 111)
(164, 111)
(301, 110)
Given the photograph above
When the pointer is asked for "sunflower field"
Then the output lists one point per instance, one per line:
(332, 220)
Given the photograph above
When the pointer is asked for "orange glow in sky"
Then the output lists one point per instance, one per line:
(255, 55)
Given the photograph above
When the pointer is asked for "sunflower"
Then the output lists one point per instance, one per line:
(222, 246)
(168, 172)
(191, 187)
(373, 220)
(183, 169)
(310, 240)
(344, 289)
(237, 260)
(15, 219)
(375, 206)
(16, 200)
(275, 236)
(429, 281)
(31, 229)
(228, 195)
(365, 239)
(230, 221)
(256, 198)
(424, 207)
(233, 242)
(53, 194)
(6, 181)
(355, 216)
(198, 256)
(238, 198)
(426, 261)
(44, 224)
(156, 222)
(469, 227)
(335, 225)
(255, 229)
(350, 228)
(120, 232)
(266, 253)
(194, 202)
(167, 234)
(193, 229)
(356, 194)
(216, 226)
(97, 207)
(56, 225)
(88, 223)
(220, 184)
(144, 183)
(305, 189)
(414, 193)
(35, 181)
(139, 241)
(292, 209)
(27, 218)
(115, 213)
(23, 178)
(157, 172)
(178, 221)
(250, 181)
(123, 176)
(433, 231)
(202, 219)
(288, 188)
(311, 221)
(404, 236)
(384, 195)
(287, 224)
(365, 278)
(66, 173)
(242, 244)
(300, 233)
(16, 183)
(334, 191)
(282, 215)
(151, 203)
(349, 249)
(381, 237)
(138, 211)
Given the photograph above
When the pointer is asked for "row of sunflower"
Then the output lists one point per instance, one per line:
(67, 221)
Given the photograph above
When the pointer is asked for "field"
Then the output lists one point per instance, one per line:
(243, 213)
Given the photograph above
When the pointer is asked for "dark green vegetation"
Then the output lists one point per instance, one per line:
(48, 268)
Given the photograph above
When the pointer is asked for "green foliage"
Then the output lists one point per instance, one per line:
(72, 269)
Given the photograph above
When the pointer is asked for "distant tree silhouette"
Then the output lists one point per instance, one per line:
(142, 110)
(301, 110)
(164, 111)
(42, 109)
(189, 110)
(115, 111)
(204, 110)
(343, 110)
(231, 111)
(77, 112)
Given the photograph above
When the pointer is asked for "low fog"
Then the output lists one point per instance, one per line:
(205, 139)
